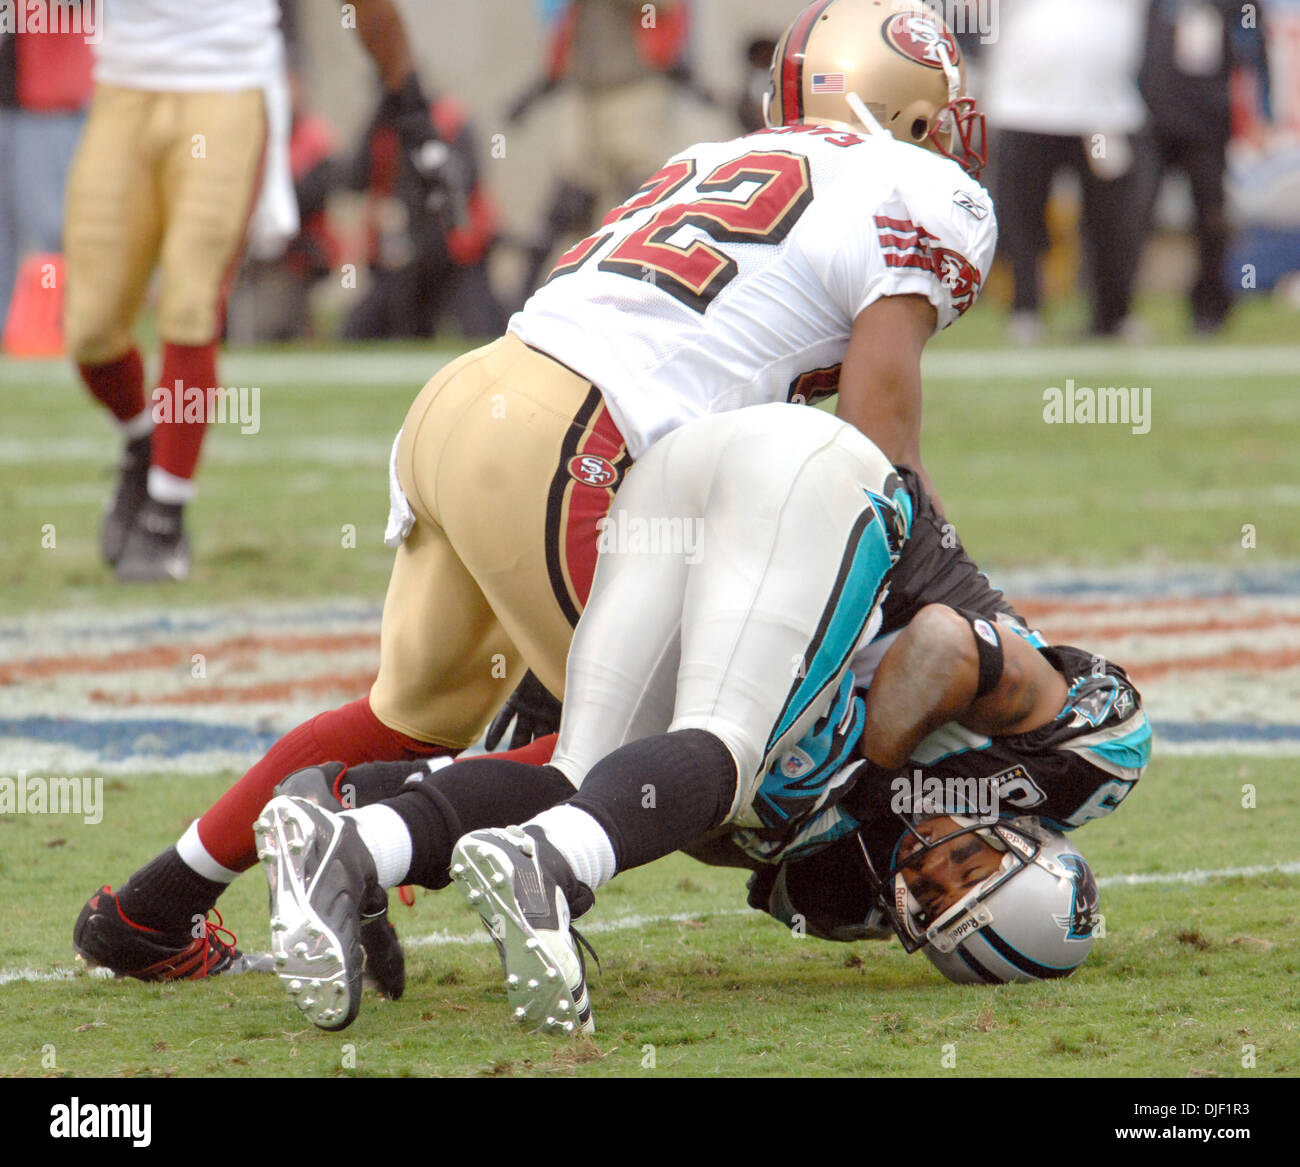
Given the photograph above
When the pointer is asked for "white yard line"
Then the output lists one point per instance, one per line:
(10, 976)
(1086, 364)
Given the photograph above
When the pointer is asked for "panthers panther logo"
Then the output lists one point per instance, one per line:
(1082, 921)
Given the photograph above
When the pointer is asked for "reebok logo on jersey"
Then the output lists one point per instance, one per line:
(971, 203)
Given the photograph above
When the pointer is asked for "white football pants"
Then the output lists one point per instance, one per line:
(740, 565)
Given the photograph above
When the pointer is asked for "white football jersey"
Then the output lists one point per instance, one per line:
(186, 46)
(734, 276)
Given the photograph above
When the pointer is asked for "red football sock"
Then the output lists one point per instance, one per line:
(177, 442)
(536, 753)
(351, 734)
(119, 384)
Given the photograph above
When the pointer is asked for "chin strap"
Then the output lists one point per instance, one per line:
(863, 114)
(951, 72)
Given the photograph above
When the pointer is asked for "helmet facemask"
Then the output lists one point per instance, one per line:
(1033, 918)
(968, 913)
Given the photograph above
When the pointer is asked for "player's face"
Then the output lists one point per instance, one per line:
(939, 877)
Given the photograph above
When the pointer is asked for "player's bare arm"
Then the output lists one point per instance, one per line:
(931, 675)
(880, 383)
(384, 36)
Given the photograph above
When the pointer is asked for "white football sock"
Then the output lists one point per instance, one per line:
(191, 849)
(136, 427)
(581, 840)
(386, 837)
(165, 487)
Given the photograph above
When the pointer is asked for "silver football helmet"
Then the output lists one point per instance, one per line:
(1031, 919)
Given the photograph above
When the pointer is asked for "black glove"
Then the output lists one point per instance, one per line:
(533, 710)
(441, 172)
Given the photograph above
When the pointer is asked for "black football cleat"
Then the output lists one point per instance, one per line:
(513, 878)
(128, 498)
(385, 961)
(321, 878)
(156, 547)
(105, 938)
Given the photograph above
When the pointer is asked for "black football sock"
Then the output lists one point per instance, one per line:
(167, 893)
(659, 794)
(378, 781)
(482, 792)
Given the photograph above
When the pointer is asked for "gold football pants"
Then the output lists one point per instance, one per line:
(159, 178)
(508, 460)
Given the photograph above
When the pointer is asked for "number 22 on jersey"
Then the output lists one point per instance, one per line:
(691, 269)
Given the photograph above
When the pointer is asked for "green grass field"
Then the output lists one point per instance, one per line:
(1184, 979)
(1191, 978)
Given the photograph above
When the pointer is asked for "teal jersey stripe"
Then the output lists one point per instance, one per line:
(1132, 751)
(871, 560)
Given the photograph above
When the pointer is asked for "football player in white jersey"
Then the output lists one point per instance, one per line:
(185, 149)
(819, 253)
(711, 686)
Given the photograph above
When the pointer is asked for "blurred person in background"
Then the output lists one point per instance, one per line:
(44, 88)
(1192, 48)
(758, 70)
(189, 121)
(428, 258)
(271, 299)
(1062, 92)
(625, 62)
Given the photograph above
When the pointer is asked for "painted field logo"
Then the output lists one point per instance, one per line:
(104, 1120)
(214, 405)
(592, 470)
(1083, 405)
(31, 794)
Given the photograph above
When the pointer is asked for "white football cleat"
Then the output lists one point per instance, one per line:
(319, 871)
(512, 878)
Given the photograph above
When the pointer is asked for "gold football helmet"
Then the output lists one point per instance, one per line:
(890, 65)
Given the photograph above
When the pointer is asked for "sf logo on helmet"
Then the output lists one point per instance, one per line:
(592, 470)
(919, 38)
